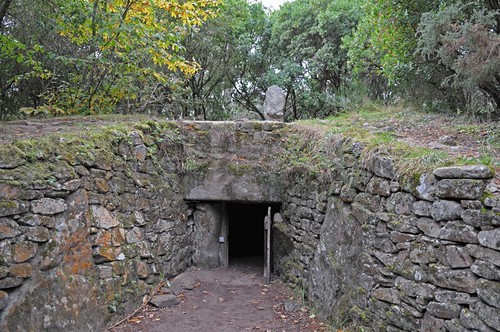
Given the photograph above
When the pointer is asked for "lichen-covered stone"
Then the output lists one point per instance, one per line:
(489, 292)
(426, 187)
(38, 234)
(48, 206)
(462, 280)
(490, 239)
(460, 188)
(8, 228)
(23, 251)
(471, 321)
(429, 227)
(414, 289)
(479, 218)
(382, 166)
(446, 210)
(10, 282)
(12, 207)
(488, 314)
(102, 218)
(422, 208)
(488, 255)
(456, 231)
(454, 257)
(448, 296)
(23, 270)
(378, 186)
(400, 203)
(464, 172)
(4, 299)
(386, 294)
(486, 270)
(444, 310)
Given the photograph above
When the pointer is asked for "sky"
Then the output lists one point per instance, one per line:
(273, 4)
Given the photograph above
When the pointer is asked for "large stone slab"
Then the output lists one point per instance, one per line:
(464, 172)
(460, 188)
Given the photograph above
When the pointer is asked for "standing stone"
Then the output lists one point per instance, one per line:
(274, 104)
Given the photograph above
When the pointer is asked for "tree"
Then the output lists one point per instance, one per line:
(100, 54)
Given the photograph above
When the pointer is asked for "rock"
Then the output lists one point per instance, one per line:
(478, 218)
(368, 201)
(9, 192)
(164, 301)
(454, 326)
(274, 104)
(386, 294)
(378, 186)
(8, 228)
(447, 296)
(431, 323)
(413, 289)
(23, 251)
(38, 234)
(474, 205)
(426, 187)
(347, 194)
(48, 206)
(102, 218)
(10, 282)
(464, 172)
(422, 254)
(486, 270)
(140, 152)
(460, 188)
(489, 315)
(422, 208)
(490, 239)
(382, 166)
(489, 292)
(455, 257)
(456, 231)
(447, 140)
(11, 157)
(4, 299)
(183, 281)
(292, 306)
(485, 254)
(400, 203)
(446, 210)
(459, 280)
(364, 216)
(10, 208)
(134, 235)
(444, 310)
(472, 321)
(429, 227)
(143, 270)
(23, 270)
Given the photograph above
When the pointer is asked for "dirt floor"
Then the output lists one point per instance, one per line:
(228, 300)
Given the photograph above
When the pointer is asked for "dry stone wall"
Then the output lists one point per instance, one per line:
(373, 251)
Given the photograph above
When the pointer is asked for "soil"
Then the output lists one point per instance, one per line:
(228, 300)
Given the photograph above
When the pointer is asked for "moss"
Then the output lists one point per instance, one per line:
(239, 169)
(7, 205)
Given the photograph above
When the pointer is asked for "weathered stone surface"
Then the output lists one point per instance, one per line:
(422, 254)
(460, 188)
(459, 280)
(347, 194)
(10, 282)
(490, 239)
(404, 224)
(447, 296)
(414, 289)
(488, 255)
(489, 315)
(370, 202)
(455, 257)
(10, 208)
(429, 227)
(23, 270)
(382, 166)
(474, 205)
(102, 218)
(444, 310)
(398, 237)
(464, 172)
(471, 320)
(38, 234)
(386, 294)
(4, 299)
(8, 191)
(48, 206)
(363, 215)
(454, 326)
(378, 186)
(478, 218)
(422, 208)
(489, 292)
(274, 104)
(446, 210)
(400, 203)
(457, 231)
(425, 189)
(134, 235)
(11, 157)
(164, 301)
(486, 270)
(431, 323)
(8, 228)
(143, 270)
(23, 251)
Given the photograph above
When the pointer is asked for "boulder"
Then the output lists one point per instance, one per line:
(274, 104)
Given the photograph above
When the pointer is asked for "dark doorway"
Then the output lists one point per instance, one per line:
(246, 232)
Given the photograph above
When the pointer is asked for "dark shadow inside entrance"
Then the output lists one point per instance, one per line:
(246, 233)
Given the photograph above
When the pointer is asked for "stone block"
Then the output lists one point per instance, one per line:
(478, 218)
(164, 301)
(38, 234)
(461, 280)
(429, 227)
(368, 201)
(431, 323)
(488, 255)
(458, 232)
(23, 270)
(378, 186)
(4, 299)
(460, 188)
(414, 289)
(382, 166)
(23, 251)
(489, 292)
(474, 205)
(386, 294)
(398, 237)
(403, 224)
(486, 270)
(400, 203)
(448, 296)
(364, 216)
(422, 254)
(488, 314)
(143, 270)
(454, 257)
(471, 321)
(102, 218)
(464, 172)
(454, 326)
(48, 206)
(135, 235)
(490, 239)
(426, 187)
(10, 282)
(422, 208)
(11, 208)
(8, 228)
(446, 210)
(444, 310)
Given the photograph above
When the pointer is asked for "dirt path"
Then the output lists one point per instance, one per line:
(229, 300)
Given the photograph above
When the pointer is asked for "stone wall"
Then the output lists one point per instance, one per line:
(91, 221)
(369, 249)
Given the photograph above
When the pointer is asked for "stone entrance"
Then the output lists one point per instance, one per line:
(229, 232)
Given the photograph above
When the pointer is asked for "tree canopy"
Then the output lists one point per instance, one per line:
(214, 59)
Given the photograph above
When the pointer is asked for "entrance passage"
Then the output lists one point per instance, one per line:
(246, 232)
